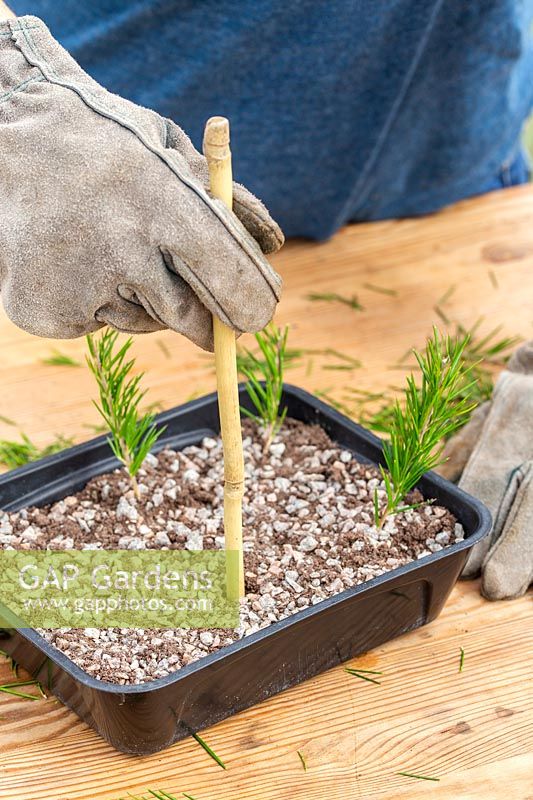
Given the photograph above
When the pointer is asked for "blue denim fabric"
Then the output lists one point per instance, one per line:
(341, 110)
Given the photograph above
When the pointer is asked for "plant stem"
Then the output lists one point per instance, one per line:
(116, 424)
(135, 487)
(269, 437)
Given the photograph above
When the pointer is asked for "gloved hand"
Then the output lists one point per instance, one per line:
(497, 447)
(105, 214)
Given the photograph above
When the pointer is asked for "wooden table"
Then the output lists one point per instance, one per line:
(473, 730)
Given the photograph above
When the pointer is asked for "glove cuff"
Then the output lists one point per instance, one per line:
(34, 55)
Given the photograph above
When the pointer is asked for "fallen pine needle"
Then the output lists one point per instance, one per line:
(440, 313)
(11, 691)
(13, 687)
(193, 396)
(446, 296)
(329, 351)
(48, 664)
(380, 289)
(419, 777)
(58, 359)
(15, 454)
(461, 659)
(30, 682)
(41, 690)
(302, 759)
(493, 279)
(406, 355)
(163, 347)
(332, 297)
(341, 367)
(98, 429)
(188, 796)
(358, 674)
(325, 394)
(208, 750)
(363, 393)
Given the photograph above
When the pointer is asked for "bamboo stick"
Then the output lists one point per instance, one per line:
(5, 12)
(218, 155)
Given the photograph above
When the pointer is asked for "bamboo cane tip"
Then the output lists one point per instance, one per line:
(216, 134)
(217, 130)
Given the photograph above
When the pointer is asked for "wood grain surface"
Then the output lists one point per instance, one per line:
(473, 730)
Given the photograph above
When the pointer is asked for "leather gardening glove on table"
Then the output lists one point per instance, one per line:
(496, 450)
(105, 214)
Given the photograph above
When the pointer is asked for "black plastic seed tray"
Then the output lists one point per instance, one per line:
(148, 717)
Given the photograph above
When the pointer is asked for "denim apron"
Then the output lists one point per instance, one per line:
(341, 110)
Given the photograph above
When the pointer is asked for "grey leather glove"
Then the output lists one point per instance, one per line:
(497, 446)
(105, 214)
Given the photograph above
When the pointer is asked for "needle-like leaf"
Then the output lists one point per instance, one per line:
(132, 433)
(15, 454)
(379, 289)
(264, 381)
(332, 297)
(58, 359)
(429, 414)
(419, 777)
(12, 689)
(208, 750)
(358, 674)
